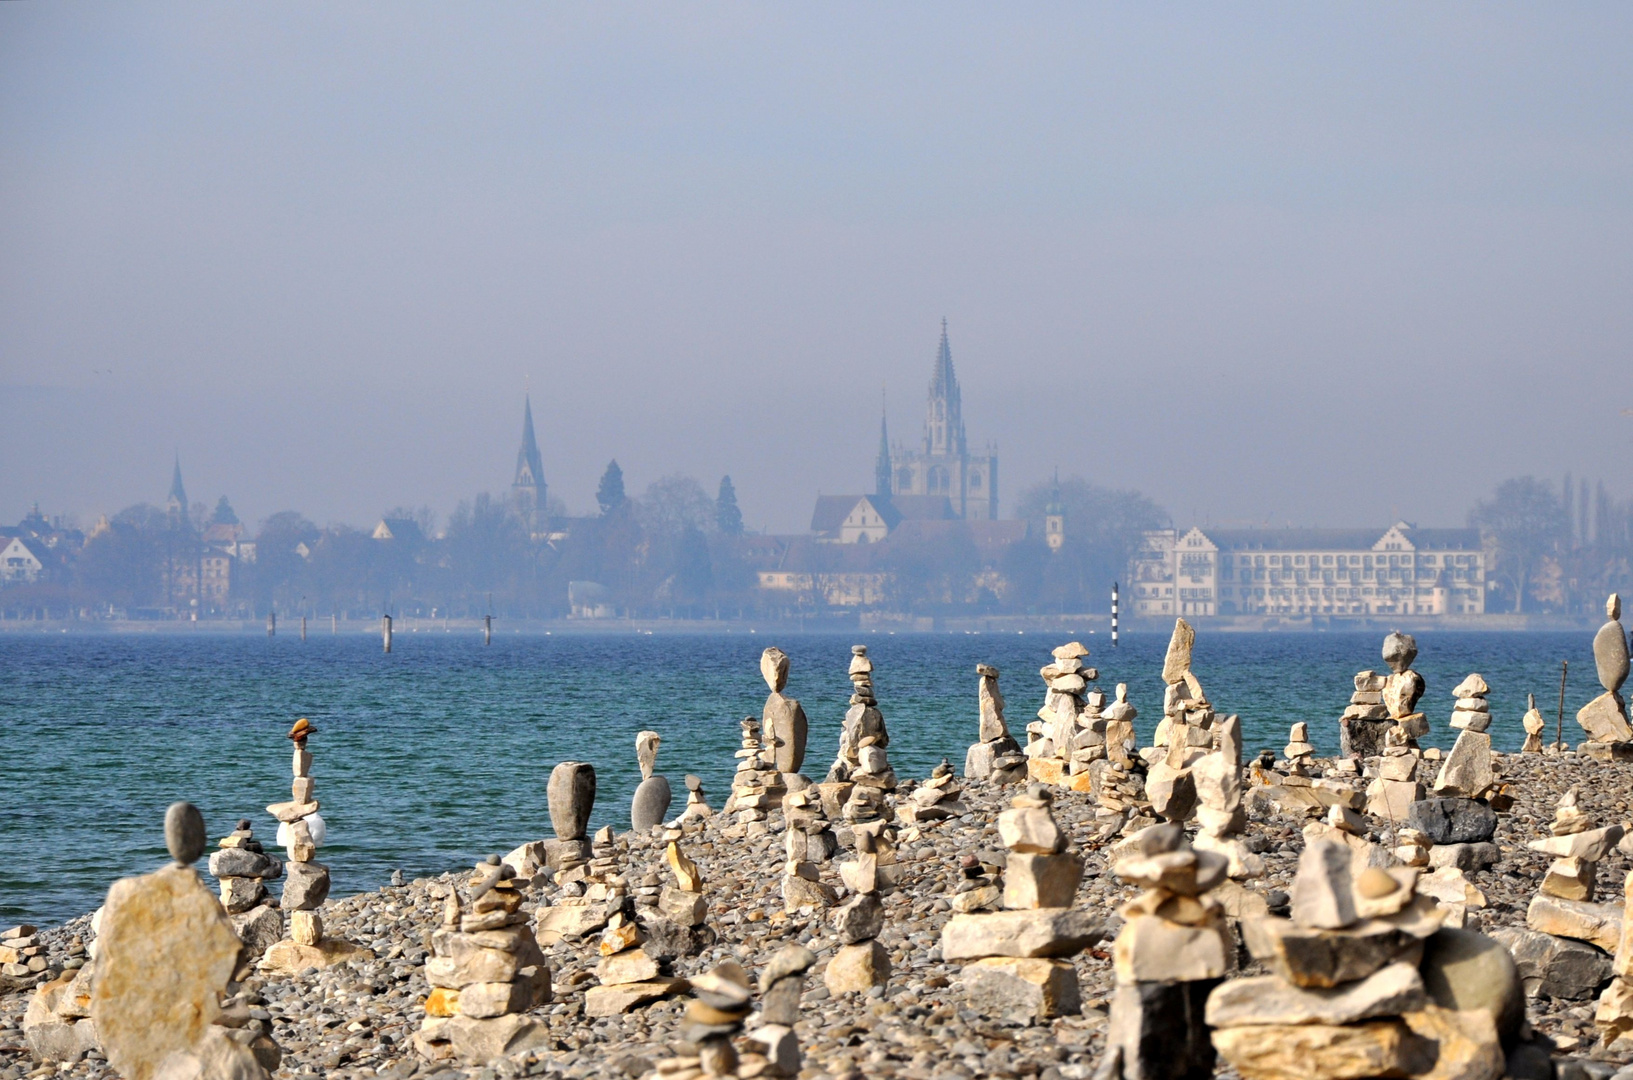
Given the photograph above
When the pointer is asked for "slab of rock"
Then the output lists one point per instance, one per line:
(1465, 857)
(287, 957)
(1453, 820)
(1605, 719)
(1323, 891)
(1327, 958)
(1267, 999)
(571, 794)
(1178, 659)
(1021, 990)
(1050, 932)
(1392, 799)
(1359, 737)
(165, 953)
(1467, 770)
(1153, 949)
(1555, 967)
(1041, 881)
(622, 997)
(1592, 845)
(857, 968)
(1597, 924)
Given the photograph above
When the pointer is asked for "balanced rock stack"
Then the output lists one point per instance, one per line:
(781, 984)
(1460, 830)
(1058, 748)
(243, 868)
(166, 959)
(936, 799)
(1605, 717)
(697, 806)
(1299, 750)
(652, 798)
(1184, 735)
(1403, 688)
(1395, 787)
(1361, 728)
(486, 970)
(1614, 1014)
(1365, 983)
(301, 831)
(720, 1003)
(807, 842)
(995, 754)
(630, 975)
(1218, 778)
(683, 903)
(861, 775)
(1118, 780)
(1535, 724)
(1472, 712)
(1170, 954)
(783, 720)
(756, 787)
(21, 954)
(861, 963)
(571, 796)
(1015, 965)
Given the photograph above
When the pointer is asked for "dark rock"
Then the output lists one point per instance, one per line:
(1556, 967)
(1157, 1031)
(651, 803)
(184, 832)
(1363, 738)
(1465, 970)
(1453, 821)
(571, 794)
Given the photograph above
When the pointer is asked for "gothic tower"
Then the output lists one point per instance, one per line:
(942, 465)
(881, 464)
(528, 490)
(944, 418)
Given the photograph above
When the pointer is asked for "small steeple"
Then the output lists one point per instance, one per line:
(528, 488)
(177, 503)
(881, 466)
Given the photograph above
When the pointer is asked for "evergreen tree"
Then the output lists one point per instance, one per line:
(610, 493)
(727, 517)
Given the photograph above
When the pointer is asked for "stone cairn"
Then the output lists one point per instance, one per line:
(1183, 736)
(683, 902)
(1362, 984)
(1059, 748)
(1118, 780)
(1471, 712)
(1361, 728)
(1605, 717)
(861, 963)
(782, 720)
(1015, 960)
(57, 1024)
(630, 975)
(167, 957)
(1219, 813)
(580, 907)
(652, 798)
(1169, 955)
(861, 763)
(1395, 788)
(937, 799)
(486, 971)
(756, 787)
(720, 1003)
(1299, 749)
(808, 841)
(1614, 1014)
(697, 806)
(995, 754)
(781, 984)
(1535, 724)
(243, 868)
(301, 832)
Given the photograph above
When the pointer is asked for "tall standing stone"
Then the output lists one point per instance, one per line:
(995, 754)
(783, 720)
(652, 798)
(572, 796)
(1605, 717)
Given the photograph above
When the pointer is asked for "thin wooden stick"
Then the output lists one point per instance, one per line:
(1559, 724)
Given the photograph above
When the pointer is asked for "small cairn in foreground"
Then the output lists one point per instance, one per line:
(756, 787)
(781, 984)
(301, 831)
(486, 971)
(243, 868)
(720, 1003)
(1016, 966)
(995, 754)
(937, 799)
(861, 963)
(1169, 955)
(1610, 738)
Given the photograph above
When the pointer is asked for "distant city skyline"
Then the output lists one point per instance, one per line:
(1328, 266)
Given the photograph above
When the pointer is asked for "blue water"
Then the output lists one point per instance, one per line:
(439, 753)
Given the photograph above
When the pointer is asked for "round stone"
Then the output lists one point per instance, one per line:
(184, 832)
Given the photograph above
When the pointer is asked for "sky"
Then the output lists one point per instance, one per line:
(1310, 264)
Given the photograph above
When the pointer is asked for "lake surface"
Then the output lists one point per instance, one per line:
(439, 753)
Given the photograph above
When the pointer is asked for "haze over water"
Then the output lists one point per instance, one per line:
(439, 753)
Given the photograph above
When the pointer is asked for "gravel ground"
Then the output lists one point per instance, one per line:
(354, 1020)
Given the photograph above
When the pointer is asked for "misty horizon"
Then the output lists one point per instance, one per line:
(1311, 267)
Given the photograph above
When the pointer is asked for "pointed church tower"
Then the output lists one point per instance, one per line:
(881, 465)
(528, 490)
(944, 418)
(177, 503)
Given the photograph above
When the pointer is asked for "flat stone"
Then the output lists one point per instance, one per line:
(165, 954)
(1328, 958)
(799, 892)
(650, 805)
(1021, 990)
(288, 957)
(1041, 881)
(1048, 932)
(1466, 857)
(1452, 820)
(629, 966)
(1571, 879)
(1597, 924)
(1471, 687)
(479, 1041)
(857, 968)
(1470, 721)
(290, 812)
(1605, 719)
(1555, 967)
(1267, 999)
(1328, 1051)
(571, 795)
(240, 862)
(1392, 799)
(620, 998)
(1153, 949)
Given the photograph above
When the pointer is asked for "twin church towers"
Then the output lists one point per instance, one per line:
(941, 465)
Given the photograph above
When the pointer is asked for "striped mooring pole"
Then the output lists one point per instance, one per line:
(1114, 614)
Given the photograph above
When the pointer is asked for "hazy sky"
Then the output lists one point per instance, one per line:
(1318, 263)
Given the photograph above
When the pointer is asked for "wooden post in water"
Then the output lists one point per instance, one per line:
(303, 627)
(385, 631)
(487, 629)
(1559, 724)
(334, 624)
(271, 624)
(1114, 614)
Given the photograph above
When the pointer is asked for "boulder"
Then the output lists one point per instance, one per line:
(1453, 820)
(1596, 924)
(571, 795)
(857, 968)
(1555, 967)
(1021, 990)
(650, 805)
(1463, 970)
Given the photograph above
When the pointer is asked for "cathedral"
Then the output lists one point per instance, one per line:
(942, 463)
(528, 489)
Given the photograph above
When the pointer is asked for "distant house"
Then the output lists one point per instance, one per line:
(19, 561)
(403, 530)
(589, 600)
(867, 519)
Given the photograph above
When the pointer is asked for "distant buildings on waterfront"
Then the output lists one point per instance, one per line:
(1402, 570)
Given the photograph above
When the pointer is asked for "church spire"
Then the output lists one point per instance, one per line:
(178, 494)
(528, 489)
(944, 418)
(881, 466)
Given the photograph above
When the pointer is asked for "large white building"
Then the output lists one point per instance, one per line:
(1302, 572)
